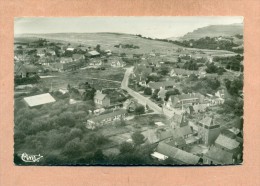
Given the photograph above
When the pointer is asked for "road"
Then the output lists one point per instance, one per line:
(140, 98)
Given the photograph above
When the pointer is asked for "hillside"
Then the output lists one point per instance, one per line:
(106, 40)
(214, 31)
(109, 40)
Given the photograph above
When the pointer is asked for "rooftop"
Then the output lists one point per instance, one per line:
(99, 95)
(219, 155)
(157, 85)
(93, 53)
(177, 154)
(227, 142)
(39, 99)
(108, 115)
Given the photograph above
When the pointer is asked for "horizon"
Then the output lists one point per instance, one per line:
(154, 27)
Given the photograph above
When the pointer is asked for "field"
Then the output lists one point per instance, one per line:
(109, 40)
(109, 78)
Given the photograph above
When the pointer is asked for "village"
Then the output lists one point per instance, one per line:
(94, 103)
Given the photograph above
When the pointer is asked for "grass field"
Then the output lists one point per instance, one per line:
(109, 40)
(61, 80)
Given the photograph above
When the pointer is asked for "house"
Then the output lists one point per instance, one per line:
(25, 71)
(217, 156)
(117, 64)
(141, 73)
(160, 85)
(95, 63)
(105, 119)
(182, 72)
(41, 52)
(93, 54)
(208, 130)
(178, 121)
(183, 132)
(214, 100)
(101, 99)
(184, 100)
(221, 94)
(227, 143)
(130, 105)
(51, 52)
(67, 66)
(150, 136)
(199, 108)
(38, 100)
(162, 94)
(70, 49)
(177, 155)
(78, 57)
(66, 60)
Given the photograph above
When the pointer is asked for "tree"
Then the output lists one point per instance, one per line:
(73, 148)
(148, 91)
(155, 94)
(126, 147)
(138, 138)
(140, 110)
(164, 70)
(99, 157)
(171, 92)
(98, 48)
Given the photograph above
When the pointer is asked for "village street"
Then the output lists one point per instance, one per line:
(140, 98)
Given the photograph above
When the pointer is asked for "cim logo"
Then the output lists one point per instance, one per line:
(31, 158)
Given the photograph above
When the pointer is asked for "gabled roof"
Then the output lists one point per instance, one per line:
(177, 118)
(66, 59)
(30, 68)
(180, 71)
(108, 115)
(182, 131)
(157, 85)
(207, 121)
(220, 155)
(40, 99)
(227, 142)
(93, 53)
(99, 95)
(181, 156)
(70, 49)
(199, 107)
(77, 56)
(179, 141)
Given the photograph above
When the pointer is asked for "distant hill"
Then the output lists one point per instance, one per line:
(214, 31)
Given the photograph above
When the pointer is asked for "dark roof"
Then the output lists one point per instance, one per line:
(220, 155)
(108, 115)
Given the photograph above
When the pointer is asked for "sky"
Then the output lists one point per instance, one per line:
(154, 27)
